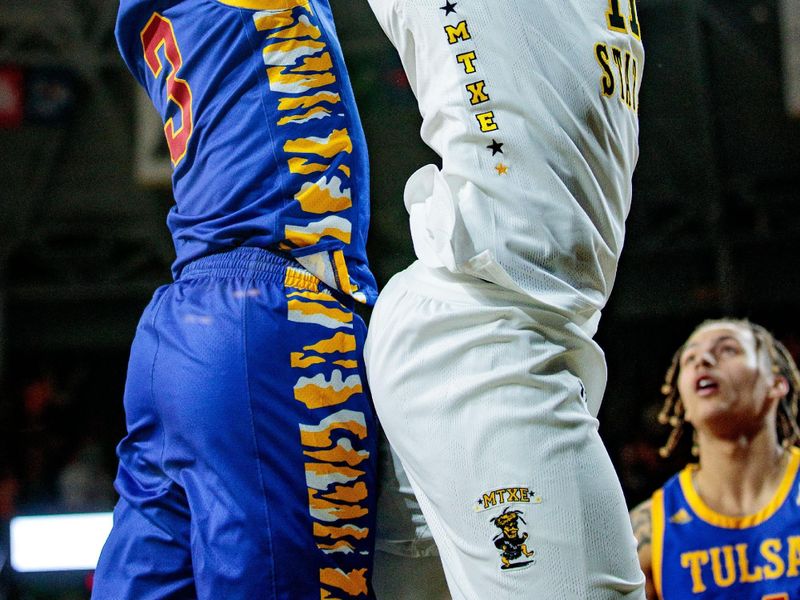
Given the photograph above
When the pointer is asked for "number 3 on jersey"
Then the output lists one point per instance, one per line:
(158, 34)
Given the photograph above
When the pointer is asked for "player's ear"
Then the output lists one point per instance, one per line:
(779, 388)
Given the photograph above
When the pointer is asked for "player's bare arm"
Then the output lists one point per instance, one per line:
(642, 530)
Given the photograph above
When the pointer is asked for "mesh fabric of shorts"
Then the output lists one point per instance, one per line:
(248, 469)
(483, 396)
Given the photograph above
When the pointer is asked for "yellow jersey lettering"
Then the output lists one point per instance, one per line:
(793, 556)
(627, 67)
(776, 567)
(633, 21)
(467, 59)
(694, 561)
(728, 578)
(614, 17)
(486, 121)
(607, 76)
(745, 575)
(504, 496)
(457, 33)
(616, 20)
(477, 95)
(616, 54)
(627, 80)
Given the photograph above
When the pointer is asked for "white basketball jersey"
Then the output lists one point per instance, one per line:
(532, 105)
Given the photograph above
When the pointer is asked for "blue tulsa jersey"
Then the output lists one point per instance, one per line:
(262, 130)
(699, 553)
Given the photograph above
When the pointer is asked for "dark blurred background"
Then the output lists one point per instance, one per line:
(83, 201)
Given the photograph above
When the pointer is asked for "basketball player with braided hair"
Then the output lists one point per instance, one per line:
(725, 527)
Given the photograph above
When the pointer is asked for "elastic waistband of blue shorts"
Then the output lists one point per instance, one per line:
(254, 263)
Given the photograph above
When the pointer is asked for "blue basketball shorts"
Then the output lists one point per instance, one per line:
(248, 469)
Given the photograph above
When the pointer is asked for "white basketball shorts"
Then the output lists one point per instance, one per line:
(482, 395)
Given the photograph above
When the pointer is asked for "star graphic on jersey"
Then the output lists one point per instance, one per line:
(449, 7)
(501, 169)
(495, 147)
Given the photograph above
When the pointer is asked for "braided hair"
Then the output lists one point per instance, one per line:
(782, 364)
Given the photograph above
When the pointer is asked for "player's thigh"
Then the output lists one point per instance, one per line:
(269, 430)
(492, 427)
(146, 556)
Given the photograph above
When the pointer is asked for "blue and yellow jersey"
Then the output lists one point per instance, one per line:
(699, 553)
(262, 130)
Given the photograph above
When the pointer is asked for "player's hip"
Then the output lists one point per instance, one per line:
(431, 321)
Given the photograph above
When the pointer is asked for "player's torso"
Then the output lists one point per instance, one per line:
(261, 126)
(706, 556)
(533, 107)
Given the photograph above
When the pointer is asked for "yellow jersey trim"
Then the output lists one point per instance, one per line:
(712, 517)
(265, 4)
(300, 279)
(657, 538)
(342, 275)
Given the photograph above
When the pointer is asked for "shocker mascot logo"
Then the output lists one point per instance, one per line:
(510, 541)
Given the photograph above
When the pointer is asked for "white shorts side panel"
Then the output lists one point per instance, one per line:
(483, 397)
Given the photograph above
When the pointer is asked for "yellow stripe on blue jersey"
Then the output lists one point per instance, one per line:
(657, 532)
(265, 4)
(335, 437)
(707, 514)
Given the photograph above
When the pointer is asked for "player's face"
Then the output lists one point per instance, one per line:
(726, 385)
